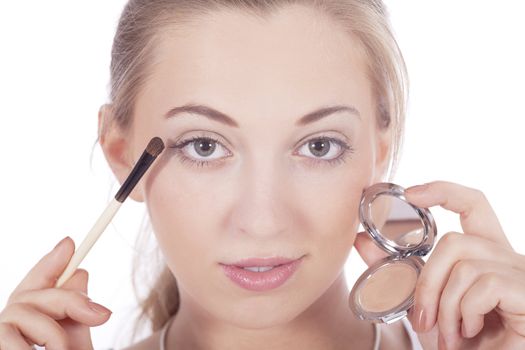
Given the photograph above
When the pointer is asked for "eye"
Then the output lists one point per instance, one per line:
(204, 148)
(324, 148)
(200, 150)
(206, 151)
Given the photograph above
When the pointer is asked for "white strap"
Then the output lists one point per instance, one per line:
(416, 344)
(164, 334)
(377, 336)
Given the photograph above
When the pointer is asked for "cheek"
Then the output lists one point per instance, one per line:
(333, 195)
(332, 211)
(184, 217)
(329, 205)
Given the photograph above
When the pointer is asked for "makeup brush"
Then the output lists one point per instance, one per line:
(153, 149)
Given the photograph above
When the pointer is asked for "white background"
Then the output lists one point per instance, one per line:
(465, 124)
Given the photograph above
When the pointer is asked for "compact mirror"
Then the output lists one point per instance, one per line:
(396, 221)
(385, 291)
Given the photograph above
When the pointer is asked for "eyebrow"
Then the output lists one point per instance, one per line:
(220, 117)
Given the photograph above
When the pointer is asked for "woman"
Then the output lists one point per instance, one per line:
(276, 114)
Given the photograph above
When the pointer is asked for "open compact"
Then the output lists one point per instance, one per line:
(385, 291)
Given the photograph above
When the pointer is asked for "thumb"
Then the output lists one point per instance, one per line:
(368, 249)
(78, 281)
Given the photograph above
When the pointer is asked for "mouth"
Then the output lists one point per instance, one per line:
(260, 268)
(261, 274)
(263, 262)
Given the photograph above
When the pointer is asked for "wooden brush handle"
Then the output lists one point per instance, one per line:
(93, 235)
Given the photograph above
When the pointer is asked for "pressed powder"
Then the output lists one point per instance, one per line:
(384, 293)
(387, 287)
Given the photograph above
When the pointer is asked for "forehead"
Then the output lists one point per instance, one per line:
(294, 57)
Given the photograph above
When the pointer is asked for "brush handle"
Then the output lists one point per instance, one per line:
(93, 235)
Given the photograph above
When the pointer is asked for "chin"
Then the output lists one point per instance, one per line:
(258, 313)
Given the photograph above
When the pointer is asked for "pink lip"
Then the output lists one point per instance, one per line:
(273, 261)
(261, 281)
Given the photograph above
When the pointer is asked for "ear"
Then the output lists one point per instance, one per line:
(116, 146)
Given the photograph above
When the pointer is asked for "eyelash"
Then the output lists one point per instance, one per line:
(346, 150)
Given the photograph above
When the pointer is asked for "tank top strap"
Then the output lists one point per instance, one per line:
(164, 334)
(416, 345)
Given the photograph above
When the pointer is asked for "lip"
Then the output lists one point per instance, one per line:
(283, 269)
(270, 261)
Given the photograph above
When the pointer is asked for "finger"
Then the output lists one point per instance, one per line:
(78, 281)
(491, 290)
(451, 248)
(428, 339)
(10, 338)
(476, 214)
(464, 274)
(368, 249)
(75, 330)
(34, 325)
(61, 304)
(45, 273)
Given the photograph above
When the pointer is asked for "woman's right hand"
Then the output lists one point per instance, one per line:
(57, 318)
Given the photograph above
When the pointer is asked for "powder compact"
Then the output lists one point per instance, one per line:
(385, 291)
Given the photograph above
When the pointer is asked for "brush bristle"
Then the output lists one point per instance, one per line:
(155, 146)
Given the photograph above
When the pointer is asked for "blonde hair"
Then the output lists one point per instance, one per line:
(139, 30)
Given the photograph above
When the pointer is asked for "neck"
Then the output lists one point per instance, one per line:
(327, 324)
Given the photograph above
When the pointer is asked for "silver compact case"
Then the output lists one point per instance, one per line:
(385, 291)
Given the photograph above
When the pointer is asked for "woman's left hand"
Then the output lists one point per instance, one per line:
(472, 287)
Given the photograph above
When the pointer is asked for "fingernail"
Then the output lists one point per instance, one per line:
(99, 309)
(60, 243)
(417, 188)
(419, 318)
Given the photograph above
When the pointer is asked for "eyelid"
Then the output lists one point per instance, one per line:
(184, 142)
(326, 134)
(200, 134)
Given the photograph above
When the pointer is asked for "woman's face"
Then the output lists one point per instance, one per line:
(262, 183)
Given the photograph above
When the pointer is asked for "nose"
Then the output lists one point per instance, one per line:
(261, 208)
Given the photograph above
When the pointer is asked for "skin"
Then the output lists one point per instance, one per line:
(265, 197)
(263, 194)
